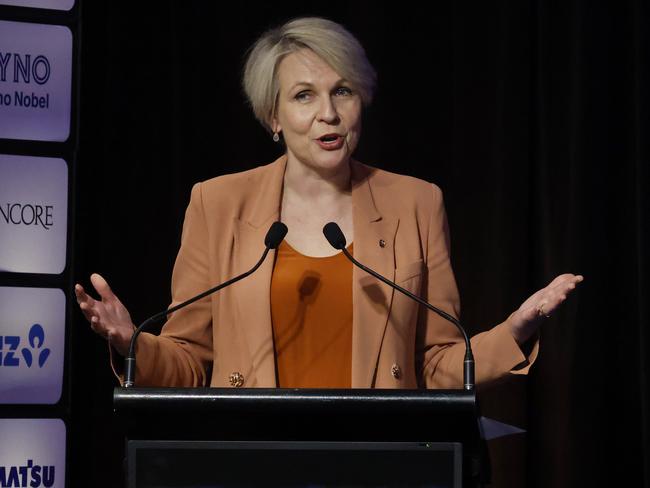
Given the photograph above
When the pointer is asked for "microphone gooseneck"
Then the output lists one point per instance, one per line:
(336, 238)
(274, 237)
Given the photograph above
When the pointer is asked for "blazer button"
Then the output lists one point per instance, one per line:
(396, 371)
(236, 379)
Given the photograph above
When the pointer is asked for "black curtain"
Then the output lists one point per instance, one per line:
(532, 117)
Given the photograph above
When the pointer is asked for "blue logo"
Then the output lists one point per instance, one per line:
(27, 475)
(32, 355)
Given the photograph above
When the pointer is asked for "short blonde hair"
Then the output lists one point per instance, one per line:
(329, 40)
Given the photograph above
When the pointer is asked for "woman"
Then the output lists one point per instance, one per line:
(307, 318)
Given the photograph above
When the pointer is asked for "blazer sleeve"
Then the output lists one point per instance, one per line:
(440, 348)
(182, 354)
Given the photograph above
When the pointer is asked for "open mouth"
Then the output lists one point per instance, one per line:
(329, 138)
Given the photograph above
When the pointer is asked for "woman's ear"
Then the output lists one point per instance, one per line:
(275, 125)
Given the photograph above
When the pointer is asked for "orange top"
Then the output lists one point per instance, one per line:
(311, 311)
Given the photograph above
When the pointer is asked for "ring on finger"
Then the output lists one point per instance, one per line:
(540, 311)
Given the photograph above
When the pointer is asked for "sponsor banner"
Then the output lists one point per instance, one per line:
(32, 453)
(32, 341)
(33, 214)
(35, 81)
(48, 4)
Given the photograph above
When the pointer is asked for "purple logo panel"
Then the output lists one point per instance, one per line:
(32, 342)
(35, 81)
(33, 214)
(32, 452)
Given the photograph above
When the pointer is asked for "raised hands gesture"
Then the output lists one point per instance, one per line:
(107, 316)
(540, 305)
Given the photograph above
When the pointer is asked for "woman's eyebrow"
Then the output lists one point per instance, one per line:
(309, 84)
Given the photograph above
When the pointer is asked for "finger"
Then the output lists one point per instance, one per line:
(94, 325)
(101, 285)
(563, 287)
(83, 297)
(559, 279)
(551, 301)
(564, 283)
(569, 287)
(87, 304)
(97, 327)
(86, 311)
(79, 292)
(569, 284)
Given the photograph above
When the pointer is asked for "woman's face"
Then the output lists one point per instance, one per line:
(315, 101)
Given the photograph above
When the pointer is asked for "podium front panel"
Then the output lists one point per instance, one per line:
(229, 464)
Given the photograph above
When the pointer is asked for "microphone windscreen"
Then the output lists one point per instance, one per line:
(334, 235)
(274, 236)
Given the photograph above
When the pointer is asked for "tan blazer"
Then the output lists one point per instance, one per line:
(400, 230)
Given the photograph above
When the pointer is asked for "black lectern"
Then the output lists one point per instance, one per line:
(226, 437)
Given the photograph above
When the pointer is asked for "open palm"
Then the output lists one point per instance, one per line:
(108, 317)
(542, 304)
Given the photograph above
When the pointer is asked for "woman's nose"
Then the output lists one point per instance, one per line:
(327, 110)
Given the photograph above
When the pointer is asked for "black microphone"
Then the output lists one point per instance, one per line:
(275, 235)
(335, 237)
(273, 238)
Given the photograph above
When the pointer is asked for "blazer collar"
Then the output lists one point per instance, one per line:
(269, 195)
(374, 237)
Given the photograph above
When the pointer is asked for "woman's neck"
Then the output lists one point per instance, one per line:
(310, 199)
(311, 184)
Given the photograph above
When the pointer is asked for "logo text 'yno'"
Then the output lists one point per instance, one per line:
(23, 68)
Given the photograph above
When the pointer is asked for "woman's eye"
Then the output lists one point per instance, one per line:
(306, 95)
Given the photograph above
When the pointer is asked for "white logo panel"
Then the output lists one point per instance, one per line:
(32, 452)
(35, 81)
(33, 214)
(32, 341)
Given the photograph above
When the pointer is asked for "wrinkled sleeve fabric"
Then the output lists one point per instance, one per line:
(182, 354)
(440, 348)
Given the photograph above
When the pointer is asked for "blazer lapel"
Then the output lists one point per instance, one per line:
(254, 292)
(374, 239)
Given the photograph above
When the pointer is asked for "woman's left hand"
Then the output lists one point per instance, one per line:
(541, 305)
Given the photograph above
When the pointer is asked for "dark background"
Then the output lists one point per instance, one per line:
(532, 116)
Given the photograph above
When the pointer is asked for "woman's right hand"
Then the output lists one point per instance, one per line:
(107, 316)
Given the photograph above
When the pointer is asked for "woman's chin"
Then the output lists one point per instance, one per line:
(332, 162)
